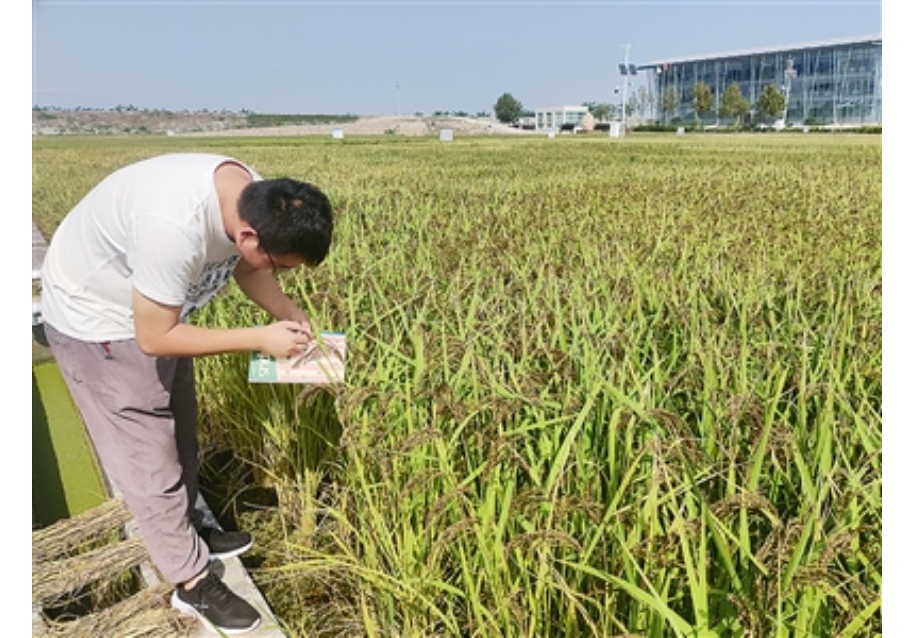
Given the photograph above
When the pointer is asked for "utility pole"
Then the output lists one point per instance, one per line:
(624, 85)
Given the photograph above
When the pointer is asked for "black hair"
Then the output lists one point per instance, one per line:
(290, 217)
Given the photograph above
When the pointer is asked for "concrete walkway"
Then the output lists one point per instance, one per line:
(39, 248)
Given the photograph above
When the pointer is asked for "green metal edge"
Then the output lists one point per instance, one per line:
(66, 478)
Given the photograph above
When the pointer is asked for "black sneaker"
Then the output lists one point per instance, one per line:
(217, 606)
(224, 545)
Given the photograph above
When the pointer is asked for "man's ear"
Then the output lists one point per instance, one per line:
(246, 233)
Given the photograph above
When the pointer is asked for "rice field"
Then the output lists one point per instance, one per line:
(594, 386)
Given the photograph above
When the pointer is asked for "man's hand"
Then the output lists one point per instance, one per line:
(285, 338)
(303, 324)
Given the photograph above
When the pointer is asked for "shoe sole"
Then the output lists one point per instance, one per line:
(189, 610)
(231, 553)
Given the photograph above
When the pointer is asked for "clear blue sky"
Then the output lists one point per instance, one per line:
(388, 57)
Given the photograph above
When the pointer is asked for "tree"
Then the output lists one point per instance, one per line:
(733, 104)
(670, 100)
(702, 100)
(508, 109)
(644, 101)
(771, 103)
(600, 111)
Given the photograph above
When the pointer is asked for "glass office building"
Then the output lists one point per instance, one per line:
(826, 83)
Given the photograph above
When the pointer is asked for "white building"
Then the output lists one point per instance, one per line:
(556, 117)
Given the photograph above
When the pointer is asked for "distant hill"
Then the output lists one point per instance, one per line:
(157, 122)
(130, 122)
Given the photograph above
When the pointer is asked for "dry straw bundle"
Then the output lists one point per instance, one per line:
(85, 563)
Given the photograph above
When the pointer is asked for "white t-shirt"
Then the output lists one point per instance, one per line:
(155, 226)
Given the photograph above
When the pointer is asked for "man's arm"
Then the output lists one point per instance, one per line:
(160, 333)
(262, 288)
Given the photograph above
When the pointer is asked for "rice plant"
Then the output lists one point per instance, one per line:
(594, 387)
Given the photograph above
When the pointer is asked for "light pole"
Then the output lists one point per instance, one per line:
(627, 70)
(618, 91)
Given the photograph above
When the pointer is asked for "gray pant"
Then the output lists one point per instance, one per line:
(141, 414)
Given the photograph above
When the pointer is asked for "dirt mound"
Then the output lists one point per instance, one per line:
(393, 125)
